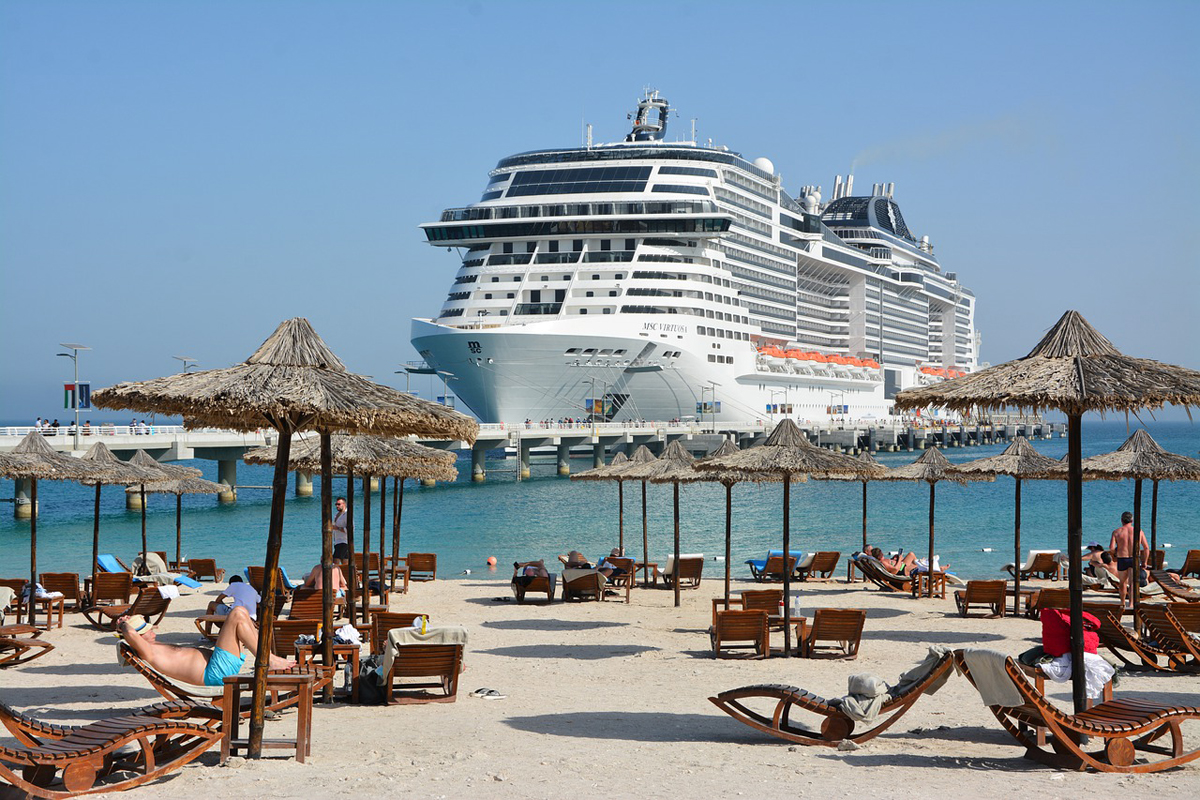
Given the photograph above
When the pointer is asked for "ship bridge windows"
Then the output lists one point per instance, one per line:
(579, 181)
(698, 171)
(491, 196)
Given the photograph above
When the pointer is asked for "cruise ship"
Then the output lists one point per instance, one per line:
(656, 280)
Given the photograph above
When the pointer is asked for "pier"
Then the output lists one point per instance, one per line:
(563, 440)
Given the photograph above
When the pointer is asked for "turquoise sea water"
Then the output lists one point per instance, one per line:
(464, 523)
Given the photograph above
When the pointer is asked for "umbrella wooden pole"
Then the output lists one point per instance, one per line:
(864, 483)
(645, 542)
(676, 576)
(351, 591)
(279, 490)
(366, 548)
(1017, 559)
(95, 537)
(382, 532)
(1074, 545)
(932, 498)
(787, 573)
(142, 489)
(729, 536)
(1154, 523)
(396, 528)
(327, 554)
(33, 553)
(621, 516)
(178, 528)
(1135, 581)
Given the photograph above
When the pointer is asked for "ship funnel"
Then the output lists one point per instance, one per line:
(849, 185)
(891, 188)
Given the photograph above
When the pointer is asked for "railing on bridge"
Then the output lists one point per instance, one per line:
(98, 430)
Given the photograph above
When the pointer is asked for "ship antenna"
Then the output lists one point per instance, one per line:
(694, 129)
(589, 136)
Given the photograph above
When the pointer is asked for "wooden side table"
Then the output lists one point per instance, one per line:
(1039, 682)
(649, 569)
(920, 586)
(232, 701)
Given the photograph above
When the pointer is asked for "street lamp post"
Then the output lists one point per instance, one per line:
(74, 356)
(774, 392)
(592, 409)
(188, 362)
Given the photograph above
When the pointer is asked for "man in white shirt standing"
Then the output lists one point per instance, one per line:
(341, 547)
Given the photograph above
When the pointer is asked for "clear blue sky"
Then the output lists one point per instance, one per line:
(176, 178)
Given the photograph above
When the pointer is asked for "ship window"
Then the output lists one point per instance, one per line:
(591, 351)
(571, 350)
(607, 310)
(490, 196)
(545, 277)
(553, 246)
(618, 352)
(566, 277)
(516, 278)
(613, 293)
(606, 244)
(504, 312)
(712, 358)
(606, 352)
(583, 311)
(487, 297)
(708, 315)
(620, 276)
(630, 244)
(530, 247)
(512, 295)
(577, 245)
(708, 296)
(508, 247)
(595, 277)
(495, 279)
(680, 188)
(589, 294)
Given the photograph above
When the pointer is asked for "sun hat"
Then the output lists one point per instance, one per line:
(138, 623)
(1095, 546)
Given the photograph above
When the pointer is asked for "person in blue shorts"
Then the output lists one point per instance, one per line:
(194, 665)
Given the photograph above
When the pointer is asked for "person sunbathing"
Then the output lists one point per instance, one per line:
(575, 560)
(190, 664)
(316, 580)
(607, 568)
(896, 565)
(526, 572)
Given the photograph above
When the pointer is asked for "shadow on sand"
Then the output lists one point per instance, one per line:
(577, 652)
(639, 726)
(549, 625)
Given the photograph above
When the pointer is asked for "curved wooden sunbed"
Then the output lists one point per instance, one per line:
(19, 643)
(835, 726)
(1124, 727)
(1174, 588)
(55, 761)
(1165, 628)
(873, 571)
(169, 688)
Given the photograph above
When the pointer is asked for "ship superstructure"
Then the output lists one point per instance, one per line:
(648, 279)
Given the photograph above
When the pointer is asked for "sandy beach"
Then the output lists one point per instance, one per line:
(611, 698)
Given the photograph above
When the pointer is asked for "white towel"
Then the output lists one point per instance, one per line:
(1096, 672)
(169, 592)
(399, 637)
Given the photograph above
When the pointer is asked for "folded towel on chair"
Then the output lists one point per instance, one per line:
(990, 677)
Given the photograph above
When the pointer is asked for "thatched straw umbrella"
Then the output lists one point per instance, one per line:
(786, 455)
(931, 467)
(726, 478)
(154, 472)
(640, 456)
(876, 469)
(292, 382)
(179, 487)
(1073, 369)
(1141, 458)
(111, 471)
(34, 460)
(674, 465)
(368, 455)
(1023, 462)
(611, 472)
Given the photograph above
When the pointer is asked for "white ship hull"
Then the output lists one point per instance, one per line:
(511, 374)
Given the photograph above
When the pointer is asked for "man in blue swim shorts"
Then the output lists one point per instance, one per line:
(193, 665)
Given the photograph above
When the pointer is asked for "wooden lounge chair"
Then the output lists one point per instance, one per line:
(421, 566)
(384, 621)
(873, 571)
(767, 600)
(174, 690)
(771, 569)
(309, 603)
(1124, 727)
(19, 644)
(688, 571)
(1164, 627)
(1187, 615)
(835, 726)
(436, 664)
(582, 584)
(740, 629)
(64, 761)
(840, 626)
(626, 579)
(1174, 588)
(202, 568)
(256, 577)
(524, 584)
(149, 603)
(48, 604)
(110, 588)
(375, 587)
(1042, 563)
(821, 567)
(1191, 564)
(992, 594)
(66, 584)
(1054, 597)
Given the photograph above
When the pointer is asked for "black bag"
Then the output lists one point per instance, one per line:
(370, 682)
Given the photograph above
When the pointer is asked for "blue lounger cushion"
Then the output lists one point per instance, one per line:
(184, 580)
(108, 563)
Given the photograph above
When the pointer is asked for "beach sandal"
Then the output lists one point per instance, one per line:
(487, 694)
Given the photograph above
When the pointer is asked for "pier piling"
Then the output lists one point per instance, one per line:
(478, 470)
(227, 474)
(564, 459)
(22, 507)
(304, 487)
